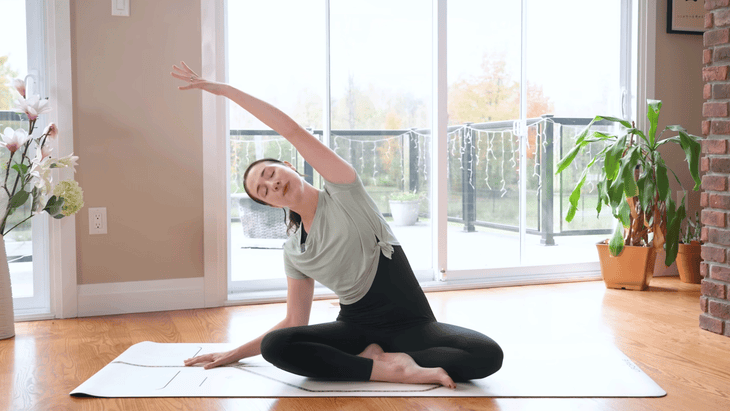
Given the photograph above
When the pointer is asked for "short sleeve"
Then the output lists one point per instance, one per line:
(333, 188)
(290, 270)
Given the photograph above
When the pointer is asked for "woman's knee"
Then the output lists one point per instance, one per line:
(484, 359)
(275, 343)
(490, 361)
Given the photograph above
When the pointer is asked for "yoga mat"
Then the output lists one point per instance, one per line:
(149, 369)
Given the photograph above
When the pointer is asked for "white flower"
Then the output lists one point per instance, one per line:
(68, 161)
(43, 153)
(41, 172)
(20, 86)
(43, 166)
(32, 107)
(51, 130)
(72, 195)
(14, 139)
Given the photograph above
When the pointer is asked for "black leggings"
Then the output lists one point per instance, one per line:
(394, 314)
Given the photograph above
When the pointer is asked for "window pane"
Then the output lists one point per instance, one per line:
(275, 52)
(14, 64)
(483, 101)
(381, 107)
(573, 72)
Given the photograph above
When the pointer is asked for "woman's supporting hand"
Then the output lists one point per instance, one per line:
(194, 81)
(214, 359)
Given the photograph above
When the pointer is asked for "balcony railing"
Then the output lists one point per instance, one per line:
(381, 154)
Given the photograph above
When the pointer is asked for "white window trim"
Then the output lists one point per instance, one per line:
(62, 233)
(439, 125)
(216, 228)
(646, 59)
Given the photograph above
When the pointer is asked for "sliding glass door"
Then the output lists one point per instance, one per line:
(523, 78)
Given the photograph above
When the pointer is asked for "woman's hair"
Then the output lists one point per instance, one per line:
(295, 220)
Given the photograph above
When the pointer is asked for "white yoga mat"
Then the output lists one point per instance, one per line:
(149, 369)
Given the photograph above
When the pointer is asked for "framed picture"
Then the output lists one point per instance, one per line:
(686, 16)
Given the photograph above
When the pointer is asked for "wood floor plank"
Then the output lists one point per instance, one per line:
(658, 329)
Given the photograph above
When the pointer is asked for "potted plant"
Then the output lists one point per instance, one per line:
(404, 207)
(689, 252)
(634, 184)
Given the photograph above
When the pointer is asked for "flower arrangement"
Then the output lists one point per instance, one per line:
(24, 178)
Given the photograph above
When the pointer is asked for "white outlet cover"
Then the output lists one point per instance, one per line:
(97, 220)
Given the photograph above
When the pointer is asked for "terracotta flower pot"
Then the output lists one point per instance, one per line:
(688, 262)
(633, 269)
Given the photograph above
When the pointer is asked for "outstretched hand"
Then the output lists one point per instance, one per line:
(212, 360)
(194, 81)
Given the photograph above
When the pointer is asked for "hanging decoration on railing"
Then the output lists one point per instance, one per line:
(503, 189)
(472, 167)
(375, 164)
(539, 137)
(403, 160)
(486, 143)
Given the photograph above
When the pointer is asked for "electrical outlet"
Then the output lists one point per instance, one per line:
(97, 220)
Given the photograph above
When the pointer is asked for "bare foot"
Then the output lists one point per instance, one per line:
(371, 351)
(400, 367)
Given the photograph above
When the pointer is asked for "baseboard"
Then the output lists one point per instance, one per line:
(141, 296)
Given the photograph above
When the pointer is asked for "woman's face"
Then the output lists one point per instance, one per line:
(276, 184)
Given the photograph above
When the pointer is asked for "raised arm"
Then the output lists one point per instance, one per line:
(327, 163)
(298, 307)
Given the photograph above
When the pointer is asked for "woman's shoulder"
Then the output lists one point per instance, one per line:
(333, 188)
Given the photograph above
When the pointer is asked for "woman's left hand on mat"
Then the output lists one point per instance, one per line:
(213, 360)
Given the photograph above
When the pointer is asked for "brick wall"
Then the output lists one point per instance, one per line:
(715, 163)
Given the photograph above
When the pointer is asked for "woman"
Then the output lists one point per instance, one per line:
(385, 330)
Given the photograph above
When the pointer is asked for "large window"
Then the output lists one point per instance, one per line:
(23, 57)
(523, 78)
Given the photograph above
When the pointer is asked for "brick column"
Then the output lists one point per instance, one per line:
(715, 163)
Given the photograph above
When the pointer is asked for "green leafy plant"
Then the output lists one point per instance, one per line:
(692, 230)
(405, 196)
(634, 182)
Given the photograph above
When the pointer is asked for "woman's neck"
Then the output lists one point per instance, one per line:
(308, 207)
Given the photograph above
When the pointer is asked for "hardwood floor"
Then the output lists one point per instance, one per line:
(658, 329)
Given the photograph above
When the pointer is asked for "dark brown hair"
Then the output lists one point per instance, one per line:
(295, 220)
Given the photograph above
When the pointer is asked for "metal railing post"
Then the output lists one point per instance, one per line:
(308, 170)
(546, 176)
(468, 180)
(412, 161)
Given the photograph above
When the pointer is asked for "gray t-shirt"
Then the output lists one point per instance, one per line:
(341, 250)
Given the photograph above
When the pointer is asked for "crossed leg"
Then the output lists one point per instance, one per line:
(428, 353)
